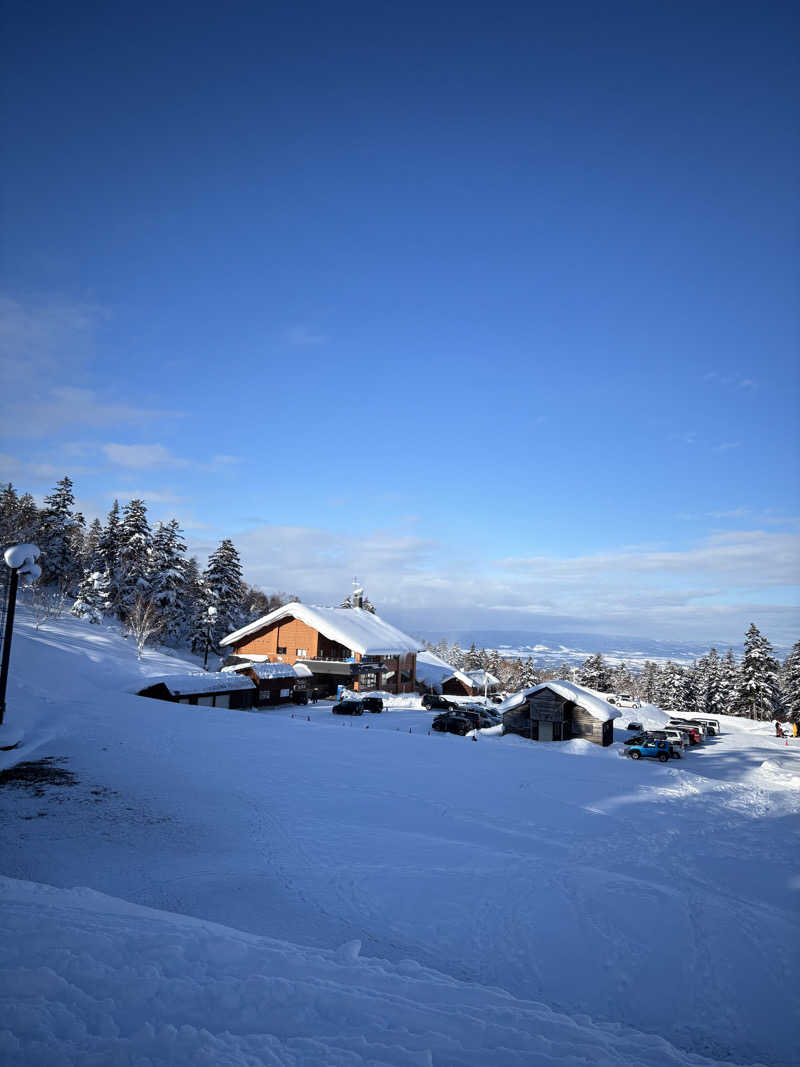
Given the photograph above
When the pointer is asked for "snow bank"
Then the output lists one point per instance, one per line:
(86, 978)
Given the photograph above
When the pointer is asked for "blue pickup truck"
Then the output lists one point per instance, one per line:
(651, 748)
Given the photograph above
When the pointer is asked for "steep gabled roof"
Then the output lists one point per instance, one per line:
(585, 698)
(480, 678)
(355, 628)
(432, 670)
(263, 670)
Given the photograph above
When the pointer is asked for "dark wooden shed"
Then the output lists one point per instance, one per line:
(206, 689)
(559, 711)
(276, 683)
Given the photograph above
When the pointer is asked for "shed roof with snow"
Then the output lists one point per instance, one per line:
(192, 684)
(359, 630)
(433, 671)
(265, 670)
(480, 678)
(591, 702)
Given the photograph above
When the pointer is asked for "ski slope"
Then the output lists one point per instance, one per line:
(261, 888)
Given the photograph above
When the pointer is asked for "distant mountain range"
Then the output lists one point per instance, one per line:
(548, 650)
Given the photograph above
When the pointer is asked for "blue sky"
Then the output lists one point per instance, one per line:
(495, 306)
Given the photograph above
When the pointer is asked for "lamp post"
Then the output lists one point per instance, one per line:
(211, 619)
(21, 561)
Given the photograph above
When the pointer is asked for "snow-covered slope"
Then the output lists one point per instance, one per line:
(515, 903)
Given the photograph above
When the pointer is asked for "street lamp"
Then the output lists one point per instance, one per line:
(211, 619)
(21, 561)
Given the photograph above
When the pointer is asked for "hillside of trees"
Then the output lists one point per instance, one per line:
(130, 570)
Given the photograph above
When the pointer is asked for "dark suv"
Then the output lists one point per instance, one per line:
(462, 721)
(434, 700)
(374, 704)
(348, 707)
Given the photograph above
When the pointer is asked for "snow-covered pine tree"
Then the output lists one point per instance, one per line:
(166, 577)
(649, 682)
(110, 544)
(565, 672)
(93, 601)
(91, 556)
(594, 673)
(670, 694)
(529, 675)
(60, 538)
(729, 682)
(790, 679)
(455, 656)
(472, 659)
(222, 579)
(759, 695)
(133, 564)
(28, 520)
(708, 683)
(192, 615)
(9, 509)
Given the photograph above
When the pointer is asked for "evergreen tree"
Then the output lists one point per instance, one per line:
(649, 683)
(472, 660)
(222, 579)
(135, 540)
(109, 563)
(455, 656)
(594, 673)
(729, 682)
(91, 556)
(93, 600)
(166, 577)
(671, 688)
(9, 510)
(565, 672)
(28, 520)
(60, 538)
(791, 682)
(192, 616)
(758, 691)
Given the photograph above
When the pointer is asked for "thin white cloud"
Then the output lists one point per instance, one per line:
(142, 457)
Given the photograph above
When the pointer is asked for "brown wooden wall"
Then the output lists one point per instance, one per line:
(290, 634)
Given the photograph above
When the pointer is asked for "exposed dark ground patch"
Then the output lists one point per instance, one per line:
(35, 775)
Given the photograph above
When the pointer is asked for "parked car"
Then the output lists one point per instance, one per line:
(685, 724)
(373, 704)
(452, 722)
(677, 737)
(712, 724)
(348, 707)
(634, 726)
(436, 700)
(695, 737)
(637, 738)
(651, 749)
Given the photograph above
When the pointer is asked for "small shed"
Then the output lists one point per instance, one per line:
(559, 711)
(435, 675)
(207, 689)
(276, 683)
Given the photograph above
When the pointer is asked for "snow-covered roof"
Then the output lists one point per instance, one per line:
(264, 669)
(355, 628)
(585, 698)
(432, 671)
(302, 670)
(482, 678)
(203, 682)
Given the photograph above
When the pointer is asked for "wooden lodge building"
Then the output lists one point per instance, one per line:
(346, 646)
(558, 711)
(207, 689)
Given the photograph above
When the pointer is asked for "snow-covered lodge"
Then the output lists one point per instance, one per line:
(558, 711)
(347, 646)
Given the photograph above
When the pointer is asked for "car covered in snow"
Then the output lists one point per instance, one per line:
(348, 707)
(652, 748)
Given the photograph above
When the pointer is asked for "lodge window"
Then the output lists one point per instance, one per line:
(301, 651)
(281, 650)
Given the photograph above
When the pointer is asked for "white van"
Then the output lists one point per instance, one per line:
(713, 723)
